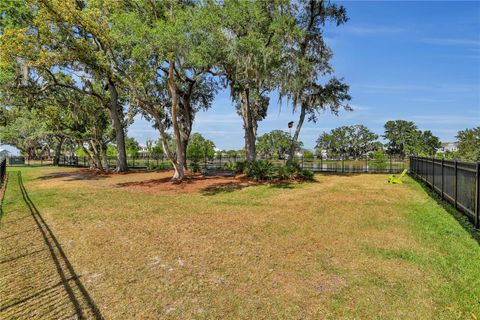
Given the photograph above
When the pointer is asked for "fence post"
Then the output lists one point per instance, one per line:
(477, 196)
(424, 170)
(416, 167)
(455, 184)
(302, 161)
(343, 163)
(443, 170)
(390, 170)
(366, 162)
(433, 173)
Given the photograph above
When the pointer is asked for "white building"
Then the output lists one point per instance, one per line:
(448, 146)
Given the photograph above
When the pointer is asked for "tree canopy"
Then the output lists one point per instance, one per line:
(469, 144)
(275, 144)
(405, 139)
(347, 141)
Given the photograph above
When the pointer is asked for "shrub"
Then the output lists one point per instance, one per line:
(379, 160)
(230, 166)
(305, 174)
(238, 167)
(296, 166)
(151, 166)
(259, 169)
(308, 155)
(286, 172)
(160, 166)
(195, 166)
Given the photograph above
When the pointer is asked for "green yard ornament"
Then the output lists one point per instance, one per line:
(394, 180)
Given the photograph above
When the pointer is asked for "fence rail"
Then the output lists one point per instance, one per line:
(455, 181)
(3, 171)
(364, 164)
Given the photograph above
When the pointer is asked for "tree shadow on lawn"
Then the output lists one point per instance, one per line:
(191, 183)
(42, 281)
(245, 183)
(210, 185)
(461, 218)
(227, 187)
(75, 175)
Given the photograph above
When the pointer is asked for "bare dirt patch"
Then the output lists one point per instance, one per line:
(192, 183)
(151, 182)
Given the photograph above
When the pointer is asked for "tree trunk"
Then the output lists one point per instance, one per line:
(184, 151)
(96, 156)
(180, 161)
(164, 140)
(115, 113)
(89, 157)
(293, 143)
(249, 126)
(103, 149)
(58, 150)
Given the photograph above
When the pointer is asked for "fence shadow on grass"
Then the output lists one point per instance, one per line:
(40, 281)
(461, 218)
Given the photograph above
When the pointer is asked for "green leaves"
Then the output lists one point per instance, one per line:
(405, 139)
(352, 141)
(275, 144)
(200, 148)
(469, 144)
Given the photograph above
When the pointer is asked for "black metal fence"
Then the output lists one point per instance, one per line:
(3, 171)
(455, 181)
(316, 164)
(364, 164)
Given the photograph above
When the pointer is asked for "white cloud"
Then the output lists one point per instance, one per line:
(377, 30)
(451, 41)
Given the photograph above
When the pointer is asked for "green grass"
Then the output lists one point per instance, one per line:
(350, 247)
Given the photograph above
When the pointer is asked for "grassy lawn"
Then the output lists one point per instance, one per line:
(136, 246)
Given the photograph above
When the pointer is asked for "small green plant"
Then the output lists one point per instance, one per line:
(160, 166)
(305, 174)
(308, 155)
(151, 166)
(195, 166)
(286, 172)
(260, 169)
(296, 166)
(379, 160)
(240, 166)
(230, 166)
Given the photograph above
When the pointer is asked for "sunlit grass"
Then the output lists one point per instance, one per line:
(341, 247)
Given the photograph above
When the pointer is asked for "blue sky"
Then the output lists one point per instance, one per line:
(417, 61)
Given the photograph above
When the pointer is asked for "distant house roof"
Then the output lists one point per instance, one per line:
(4, 151)
(449, 144)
